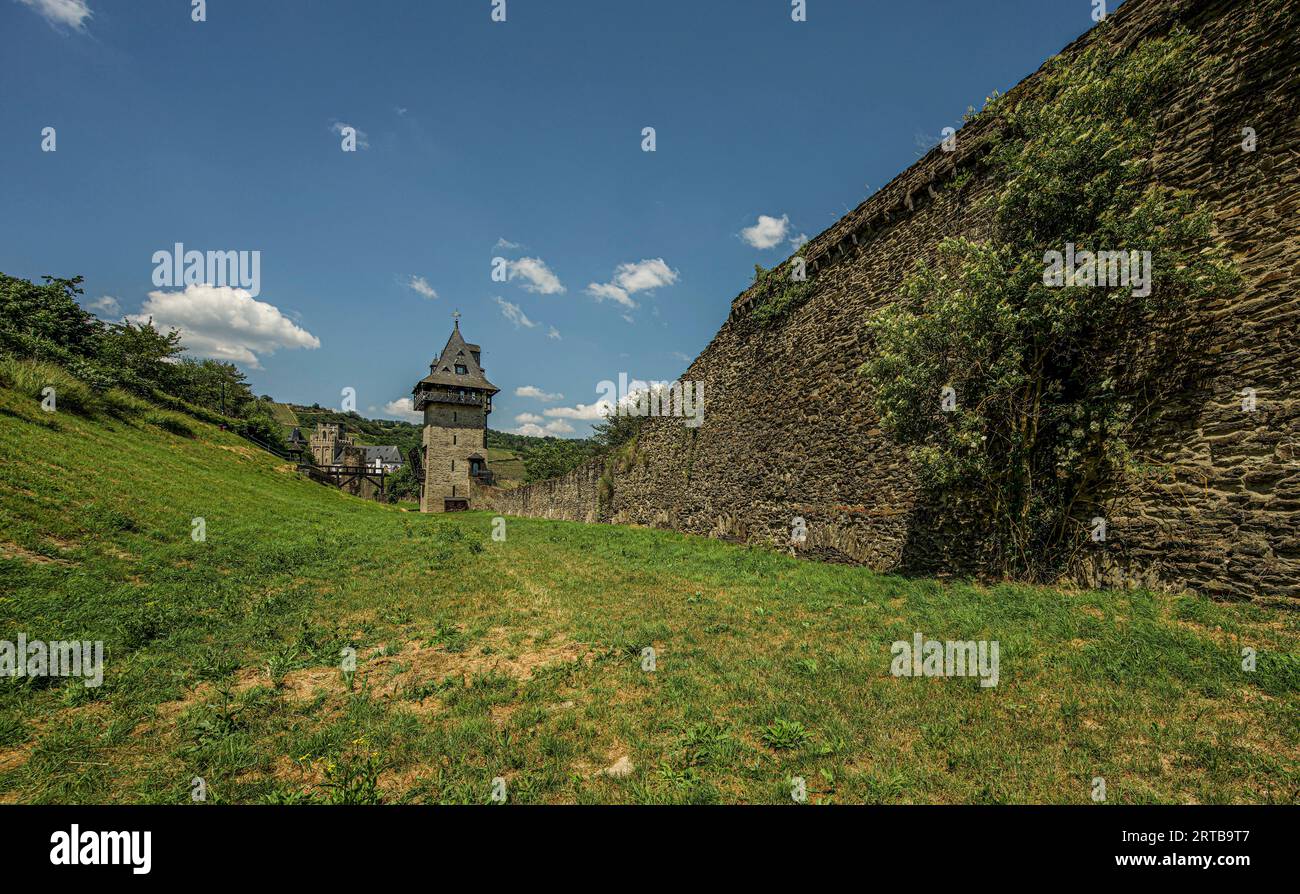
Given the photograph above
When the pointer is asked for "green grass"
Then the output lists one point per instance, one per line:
(508, 465)
(284, 415)
(523, 659)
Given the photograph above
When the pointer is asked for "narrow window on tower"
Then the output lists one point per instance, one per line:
(453, 440)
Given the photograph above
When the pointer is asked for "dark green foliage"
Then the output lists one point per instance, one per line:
(1055, 387)
(259, 424)
(778, 293)
(213, 385)
(45, 322)
(544, 457)
(614, 431)
(402, 485)
(555, 456)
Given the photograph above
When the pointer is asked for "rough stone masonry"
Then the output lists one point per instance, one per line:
(789, 429)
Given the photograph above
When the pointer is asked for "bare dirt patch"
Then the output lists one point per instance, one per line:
(14, 551)
(417, 663)
(12, 758)
(399, 675)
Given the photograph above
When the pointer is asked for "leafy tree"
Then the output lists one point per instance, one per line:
(615, 430)
(259, 424)
(1054, 388)
(402, 485)
(554, 457)
(45, 322)
(212, 384)
(138, 356)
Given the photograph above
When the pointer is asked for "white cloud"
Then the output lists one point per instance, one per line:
(682, 357)
(72, 13)
(642, 276)
(589, 412)
(535, 392)
(536, 275)
(402, 408)
(400, 110)
(363, 138)
(224, 323)
(421, 285)
(553, 428)
(554, 333)
(524, 418)
(514, 314)
(602, 290)
(768, 232)
(105, 306)
(505, 243)
(799, 241)
(645, 275)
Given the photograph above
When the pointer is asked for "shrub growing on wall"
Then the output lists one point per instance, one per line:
(777, 294)
(1052, 386)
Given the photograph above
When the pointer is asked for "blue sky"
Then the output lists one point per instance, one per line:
(477, 139)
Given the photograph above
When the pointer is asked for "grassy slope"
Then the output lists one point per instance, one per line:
(522, 659)
(508, 465)
(285, 415)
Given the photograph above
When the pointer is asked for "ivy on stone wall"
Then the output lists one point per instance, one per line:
(778, 293)
(1023, 384)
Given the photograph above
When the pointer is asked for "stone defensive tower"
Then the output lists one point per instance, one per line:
(456, 398)
(326, 443)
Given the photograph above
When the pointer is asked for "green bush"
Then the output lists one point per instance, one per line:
(402, 485)
(1054, 387)
(778, 294)
(260, 425)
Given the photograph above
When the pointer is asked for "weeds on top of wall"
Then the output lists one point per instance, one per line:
(778, 294)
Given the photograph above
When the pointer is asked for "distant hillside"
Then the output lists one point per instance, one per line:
(508, 465)
(284, 414)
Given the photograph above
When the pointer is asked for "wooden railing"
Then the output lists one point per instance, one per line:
(472, 398)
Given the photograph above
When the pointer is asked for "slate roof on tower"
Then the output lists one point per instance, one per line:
(443, 370)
